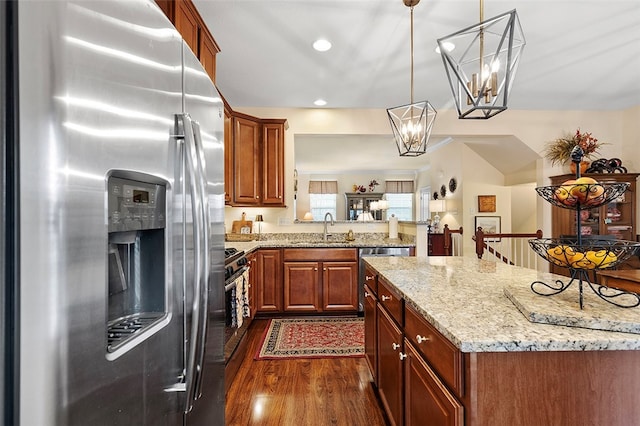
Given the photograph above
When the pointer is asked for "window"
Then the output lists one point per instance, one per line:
(399, 195)
(400, 205)
(320, 204)
(322, 198)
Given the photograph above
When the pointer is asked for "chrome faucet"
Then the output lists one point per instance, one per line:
(325, 225)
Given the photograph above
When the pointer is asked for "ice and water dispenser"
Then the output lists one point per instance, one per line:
(136, 251)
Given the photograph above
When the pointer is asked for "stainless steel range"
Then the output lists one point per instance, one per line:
(236, 290)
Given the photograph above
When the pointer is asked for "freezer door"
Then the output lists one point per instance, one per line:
(204, 105)
(100, 83)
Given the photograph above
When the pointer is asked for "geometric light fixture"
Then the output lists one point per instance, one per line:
(483, 65)
(411, 124)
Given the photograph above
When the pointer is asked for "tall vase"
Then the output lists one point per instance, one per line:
(584, 165)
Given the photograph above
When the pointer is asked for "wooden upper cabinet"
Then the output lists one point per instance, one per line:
(207, 53)
(273, 163)
(246, 167)
(186, 22)
(228, 156)
(185, 17)
(255, 176)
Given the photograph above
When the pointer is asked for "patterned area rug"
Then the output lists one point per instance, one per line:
(312, 338)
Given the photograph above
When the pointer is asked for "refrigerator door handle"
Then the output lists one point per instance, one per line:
(193, 370)
(204, 288)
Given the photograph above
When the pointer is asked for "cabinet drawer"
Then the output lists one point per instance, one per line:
(437, 350)
(371, 280)
(320, 254)
(390, 300)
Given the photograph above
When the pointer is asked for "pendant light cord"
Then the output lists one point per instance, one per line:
(412, 54)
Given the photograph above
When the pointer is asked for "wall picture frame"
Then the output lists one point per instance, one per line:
(486, 203)
(489, 224)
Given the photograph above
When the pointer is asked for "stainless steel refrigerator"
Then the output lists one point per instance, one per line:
(112, 223)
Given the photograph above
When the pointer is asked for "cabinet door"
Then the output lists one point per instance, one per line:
(186, 23)
(246, 152)
(273, 164)
(390, 367)
(427, 400)
(207, 54)
(340, 286)
(301, 291)
(253, 278)
(228, 156)
(269, 282)
(370, 332)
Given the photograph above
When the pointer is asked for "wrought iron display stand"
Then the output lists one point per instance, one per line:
(604, 253)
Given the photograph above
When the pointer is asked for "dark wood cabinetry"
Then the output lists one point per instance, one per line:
(185, 17)
(616, 219)
(418, 372)
(269, 280)
(320, 280)
(254, 160)
(435, 245)
(371, 330)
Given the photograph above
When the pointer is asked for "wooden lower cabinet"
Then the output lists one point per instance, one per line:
(301, 289)
(390, 367)
(427, 400)
(268, 280)
(320, 280)
(371, 331)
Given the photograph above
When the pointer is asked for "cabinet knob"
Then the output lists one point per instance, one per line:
(402, 356)
(385, 298)
(315, 269)
(257, 196)
(395, 346)
(324, 269)
(366, 294)
(421, 339)
(368, 278)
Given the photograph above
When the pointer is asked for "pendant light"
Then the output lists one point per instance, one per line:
(411, 124)
(482, 74)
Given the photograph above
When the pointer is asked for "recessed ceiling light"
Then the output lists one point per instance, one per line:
(448, 46)
(322, 45)
(319, 102)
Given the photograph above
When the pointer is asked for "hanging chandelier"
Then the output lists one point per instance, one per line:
(411, 124)
(482, 74)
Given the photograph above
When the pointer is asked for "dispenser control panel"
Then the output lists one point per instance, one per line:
(135, 205)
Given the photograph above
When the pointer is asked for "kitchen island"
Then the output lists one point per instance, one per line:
(471, 357)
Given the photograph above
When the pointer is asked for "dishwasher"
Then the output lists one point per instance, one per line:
(374, 251)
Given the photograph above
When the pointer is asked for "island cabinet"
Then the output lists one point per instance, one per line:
(254, 160)
(371, 321)
(268, 280)
(320, 280)
(419, 373)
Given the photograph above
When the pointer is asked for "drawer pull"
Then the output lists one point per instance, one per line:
(385, 298)
(395, 346)
(402, 356)
(421, 339)
(368, 278)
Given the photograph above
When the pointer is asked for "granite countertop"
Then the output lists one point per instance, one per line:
(464, 298)
(248, 246)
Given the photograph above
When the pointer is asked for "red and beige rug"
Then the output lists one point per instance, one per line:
(312, 338)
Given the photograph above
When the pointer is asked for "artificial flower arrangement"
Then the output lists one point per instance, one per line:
(559, 150)
(361, 188)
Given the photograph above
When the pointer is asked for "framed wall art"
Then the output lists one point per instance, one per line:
(489, 225)
(486, 203)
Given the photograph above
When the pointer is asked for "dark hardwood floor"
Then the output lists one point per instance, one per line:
(301, 392)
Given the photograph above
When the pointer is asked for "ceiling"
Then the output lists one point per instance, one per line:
(580, 54)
